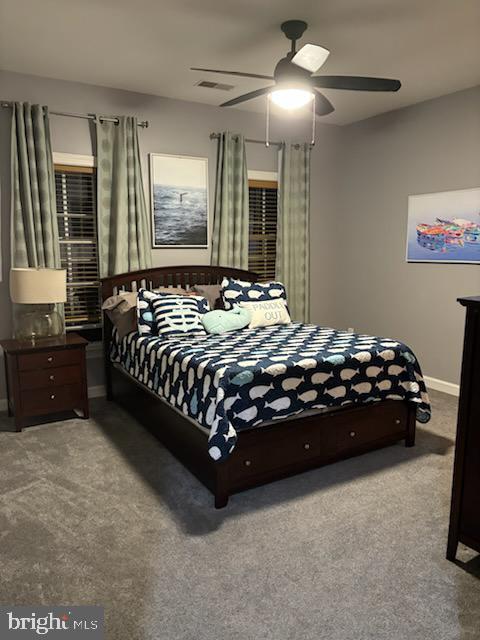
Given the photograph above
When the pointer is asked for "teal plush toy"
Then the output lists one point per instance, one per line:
(219, 321)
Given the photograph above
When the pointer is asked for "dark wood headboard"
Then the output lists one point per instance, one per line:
(184, 277)
(171, 277)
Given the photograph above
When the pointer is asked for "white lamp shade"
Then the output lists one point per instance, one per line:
(38, 286)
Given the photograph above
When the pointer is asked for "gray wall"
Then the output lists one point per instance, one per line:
(176, 127)
(432, 146)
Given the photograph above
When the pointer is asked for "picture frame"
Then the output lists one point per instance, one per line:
(179, 201)
(444, 227)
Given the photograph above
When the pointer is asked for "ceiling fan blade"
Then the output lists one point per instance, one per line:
(311, 57)
(323, 106)
(233, 73)
(356, 83)
(247, 96)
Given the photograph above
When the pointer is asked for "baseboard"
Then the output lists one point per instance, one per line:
(441, 385)
(97, 391)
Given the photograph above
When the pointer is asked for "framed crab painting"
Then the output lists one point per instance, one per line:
(444, 227)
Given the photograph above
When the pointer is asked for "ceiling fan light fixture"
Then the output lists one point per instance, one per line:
(291, 98)
(295, 86)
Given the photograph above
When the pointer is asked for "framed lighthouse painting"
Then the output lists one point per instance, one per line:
(444, 227)
(179, 201)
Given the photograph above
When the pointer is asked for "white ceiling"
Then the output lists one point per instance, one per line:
(432, 46)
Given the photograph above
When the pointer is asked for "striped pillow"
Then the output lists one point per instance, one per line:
(146, 323)
(179, 315)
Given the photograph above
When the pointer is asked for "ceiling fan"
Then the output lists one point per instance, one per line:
(295, 85)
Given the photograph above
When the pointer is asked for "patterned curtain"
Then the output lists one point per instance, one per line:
(34, 230)
(123, 228)
(230, 225)
(293, 256)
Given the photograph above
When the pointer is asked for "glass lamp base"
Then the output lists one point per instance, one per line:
(36, 321)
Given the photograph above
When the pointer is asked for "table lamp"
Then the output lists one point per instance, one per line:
(36, 294)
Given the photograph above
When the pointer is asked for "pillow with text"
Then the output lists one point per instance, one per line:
(267, 313)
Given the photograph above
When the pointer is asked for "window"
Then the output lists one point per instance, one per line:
(77, 227)
(262, 228)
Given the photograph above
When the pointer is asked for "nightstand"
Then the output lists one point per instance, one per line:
(46, 377)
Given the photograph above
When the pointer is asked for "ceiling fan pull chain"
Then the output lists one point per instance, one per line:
(312, 142)
(267, 124)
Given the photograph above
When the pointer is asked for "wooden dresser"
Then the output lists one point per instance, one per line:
(46, 377)
(465, 509)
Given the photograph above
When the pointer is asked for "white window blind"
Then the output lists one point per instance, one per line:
(262, 228)
(77, 226)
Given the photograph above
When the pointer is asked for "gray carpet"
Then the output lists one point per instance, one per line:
(97, 512)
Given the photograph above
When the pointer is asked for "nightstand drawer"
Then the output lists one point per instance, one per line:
(50, 378)
(43, 401)
(46, 359)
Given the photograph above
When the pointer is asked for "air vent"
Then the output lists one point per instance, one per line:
(208, 84)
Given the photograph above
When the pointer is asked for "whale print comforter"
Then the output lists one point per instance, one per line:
(242, 379)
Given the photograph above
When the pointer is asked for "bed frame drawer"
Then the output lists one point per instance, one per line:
(365, 431)
(313, 441)
(288, 449)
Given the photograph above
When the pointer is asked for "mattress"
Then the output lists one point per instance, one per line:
(248, 378)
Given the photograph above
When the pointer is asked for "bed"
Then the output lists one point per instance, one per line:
(253, 406)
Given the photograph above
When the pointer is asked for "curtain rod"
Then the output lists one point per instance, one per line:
(84, 116)
(215, 136)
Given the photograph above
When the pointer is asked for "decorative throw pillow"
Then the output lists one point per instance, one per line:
(212, 292)
(220, 321)
(237, 291)
(145, 320)
(176, 316)
(122, 311)
(122, 308)
(266, 313)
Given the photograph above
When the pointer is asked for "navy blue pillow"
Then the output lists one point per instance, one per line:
(235, 291)
(179, 315)
(154, 307)
(145, 320)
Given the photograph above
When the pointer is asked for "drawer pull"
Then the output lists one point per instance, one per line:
(397, 421)
(306, 446)
(52, 397)
(52, 378)
(248, 463)
(50, 359)
(353, 434)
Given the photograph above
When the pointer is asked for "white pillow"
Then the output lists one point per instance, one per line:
(267, 313)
